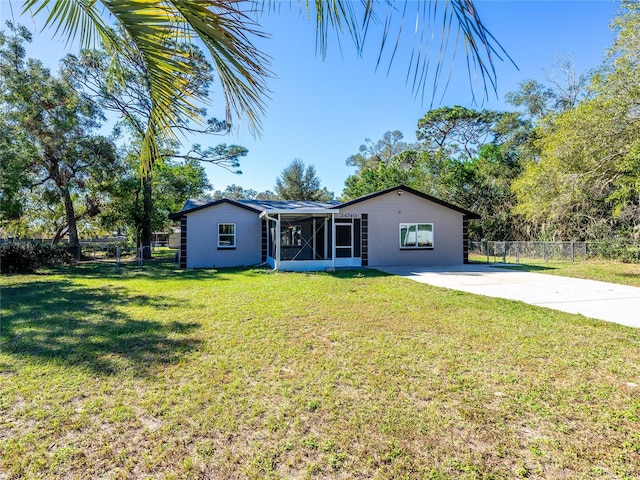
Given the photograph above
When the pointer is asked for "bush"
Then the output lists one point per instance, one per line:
(19, 257)
(622, 250)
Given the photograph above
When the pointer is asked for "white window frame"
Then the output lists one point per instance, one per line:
(417, 226)
(232, 235)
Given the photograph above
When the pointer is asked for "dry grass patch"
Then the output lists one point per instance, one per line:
(162, 373)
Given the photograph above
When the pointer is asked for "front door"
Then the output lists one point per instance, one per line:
(344, 243)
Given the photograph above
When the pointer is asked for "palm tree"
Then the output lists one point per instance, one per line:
(156, 29)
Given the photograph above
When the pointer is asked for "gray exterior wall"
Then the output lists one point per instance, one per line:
(386, 213)
(202, 237)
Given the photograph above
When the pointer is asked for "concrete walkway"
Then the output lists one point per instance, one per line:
(601, 300)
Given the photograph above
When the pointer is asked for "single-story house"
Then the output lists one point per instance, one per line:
(397, 226)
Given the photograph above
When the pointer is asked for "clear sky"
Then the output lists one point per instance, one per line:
(322, 110)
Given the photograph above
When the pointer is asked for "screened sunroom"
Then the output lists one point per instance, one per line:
(311, 239)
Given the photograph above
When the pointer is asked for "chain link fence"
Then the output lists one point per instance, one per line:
(93, 250)
(99, 250)
(514, 252)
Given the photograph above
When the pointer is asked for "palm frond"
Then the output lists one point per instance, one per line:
(460, 16)
(156, 28)
(73, 19)
(225, 27)
(226, 30)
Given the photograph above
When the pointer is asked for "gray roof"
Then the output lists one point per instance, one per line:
(257, 206)
(263, 205)
(194, 202)
(287, 204)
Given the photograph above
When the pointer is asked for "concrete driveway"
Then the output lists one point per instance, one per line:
(601, 300)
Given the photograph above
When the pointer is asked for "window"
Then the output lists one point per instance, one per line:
(226, 235)
(416, 235)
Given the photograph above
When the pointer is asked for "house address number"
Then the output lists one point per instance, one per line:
(348, 215)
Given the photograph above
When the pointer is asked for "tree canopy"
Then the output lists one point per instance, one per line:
(586, 181)
(130, 100)
(297, 182)
(51, 126)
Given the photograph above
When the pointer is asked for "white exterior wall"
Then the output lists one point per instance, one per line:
(386, 213)
(202, 237)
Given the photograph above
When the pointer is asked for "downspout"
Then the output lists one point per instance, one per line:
(277, 243)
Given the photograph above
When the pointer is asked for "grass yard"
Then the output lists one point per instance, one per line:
(603, 270)
(164, 373)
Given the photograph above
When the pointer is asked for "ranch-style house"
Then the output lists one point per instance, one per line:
(397, 226)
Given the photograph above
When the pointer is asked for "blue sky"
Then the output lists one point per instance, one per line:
(322, 110)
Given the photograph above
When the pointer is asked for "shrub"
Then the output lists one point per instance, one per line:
(618, 249)
(25, 257)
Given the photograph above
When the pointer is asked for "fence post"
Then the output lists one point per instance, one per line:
(486, 249)
(517, 252)
(572, 253)
(544, 251)
(504, 252)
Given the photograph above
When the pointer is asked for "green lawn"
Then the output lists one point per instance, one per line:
(603, 270)
(165, 373)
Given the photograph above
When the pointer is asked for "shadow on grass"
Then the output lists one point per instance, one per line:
(58, 321)
(156, 269)
(166, 269)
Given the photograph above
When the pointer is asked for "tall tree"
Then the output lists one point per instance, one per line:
(297, 182)
(374, 178)
(564, 89)
(586, 183)
(57, 121)
(383, 164)
(457, 131)
(130, 99)
(157, 28)
(236, 192)
(15, 176)
(173, 183)
(370, 154)
(483, 185)
(467, 158)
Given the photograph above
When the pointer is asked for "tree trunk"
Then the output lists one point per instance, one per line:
(72, 227)
(60, 232)
(147, 206)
